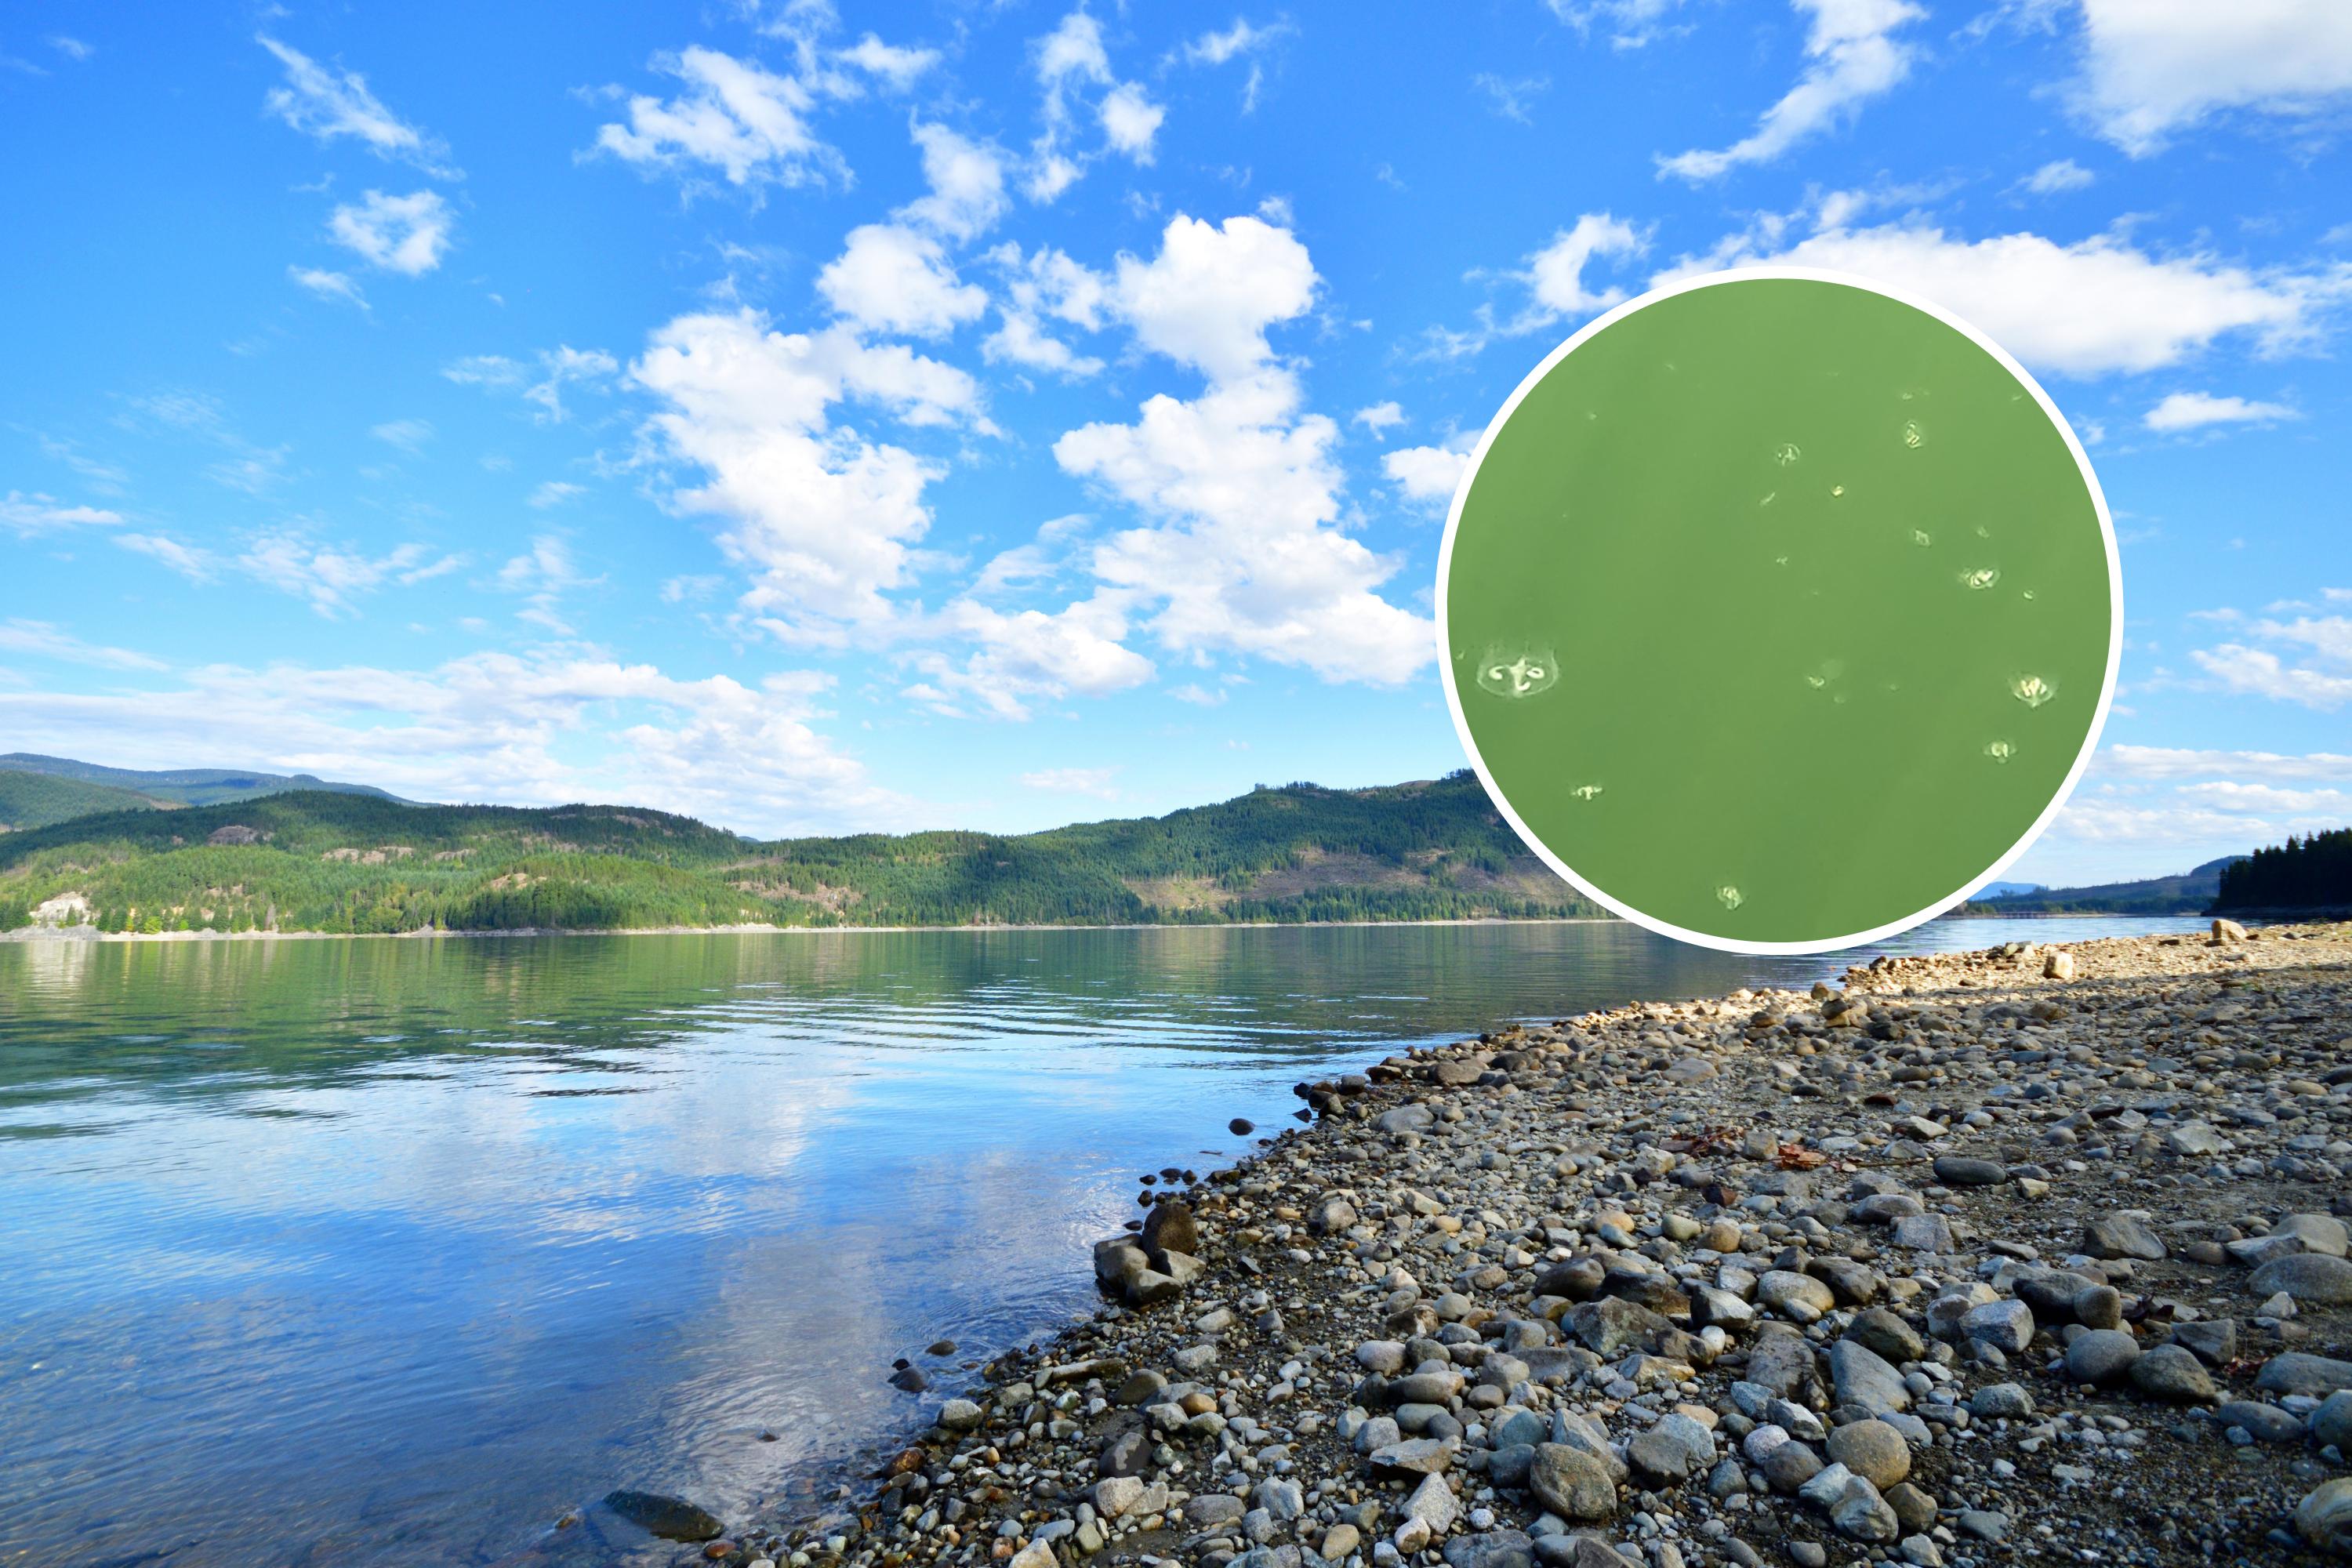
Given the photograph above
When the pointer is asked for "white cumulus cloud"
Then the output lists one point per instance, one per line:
(2152, 69)
(2085, 308)
(407, 234)
(1242, 554)
(1427, 474)
(889, 278)
(1555, 275)
(825, 518)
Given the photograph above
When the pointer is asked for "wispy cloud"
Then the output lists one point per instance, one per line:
(26, 515)
(408, 435)
(1513, 98)
(329, 285)
(1095, 782)
(1853, 57)
(330, 104)
(2199, 410)
(42, 639)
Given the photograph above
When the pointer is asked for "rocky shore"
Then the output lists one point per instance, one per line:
(2026, 1255)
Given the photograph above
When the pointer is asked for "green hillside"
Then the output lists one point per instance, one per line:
(316, 861)
(36, 800)
(185, 786)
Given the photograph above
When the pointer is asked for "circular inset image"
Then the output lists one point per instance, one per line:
(1778, 610)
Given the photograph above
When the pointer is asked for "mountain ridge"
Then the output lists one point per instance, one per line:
(2186, 893)
(183, 786)
(353, 863)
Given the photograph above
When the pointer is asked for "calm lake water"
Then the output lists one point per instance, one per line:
(380, 1252)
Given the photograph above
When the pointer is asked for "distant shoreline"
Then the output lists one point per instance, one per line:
(29, 934)
(84, 933)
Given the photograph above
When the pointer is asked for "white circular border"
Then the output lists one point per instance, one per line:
(1900, 295)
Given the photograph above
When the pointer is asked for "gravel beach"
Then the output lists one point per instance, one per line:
(2030, 1254)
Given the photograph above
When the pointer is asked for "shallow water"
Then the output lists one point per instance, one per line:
(391, 1252)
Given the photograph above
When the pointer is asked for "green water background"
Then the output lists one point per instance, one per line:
(1791, 697)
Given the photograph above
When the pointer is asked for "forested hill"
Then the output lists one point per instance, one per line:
(2314, 872)
(331, 862)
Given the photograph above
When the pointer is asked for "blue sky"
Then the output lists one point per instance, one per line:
(816, 418)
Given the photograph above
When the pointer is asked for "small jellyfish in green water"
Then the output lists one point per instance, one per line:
(2029, 592)
(1980, 577)
(1770, 496)
(1586, 791)
(2000, 751)
(1836, 490)
(1786, 453)
(1920, 537)
(1520, 672)
(2033, 691)
(1729, 897)
(1914, 434)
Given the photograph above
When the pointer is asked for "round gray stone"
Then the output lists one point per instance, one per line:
(2101, 1356)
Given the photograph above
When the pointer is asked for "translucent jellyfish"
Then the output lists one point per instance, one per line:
(1914, 434)
(2033, 691)
(1980, 577)
(1779, 561)
(1517, 672)
(1729, 897)
(1586, 791)
(1836, 490)
(1786, 453)
(2000, 751)
(1920, 537)
(1768, 497)
(2029, 592)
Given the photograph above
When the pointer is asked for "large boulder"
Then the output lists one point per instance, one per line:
(2324, 1518)
(2298, 1371)
(1873, 1450)
(2122, 1236)
(1572, 1483)
(1611, 1326)
(1863, 1377)
(2313, 1279)
(1169, 1228)
(2101, 1356)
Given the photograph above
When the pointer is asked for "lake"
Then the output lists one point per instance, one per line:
(390, 1252)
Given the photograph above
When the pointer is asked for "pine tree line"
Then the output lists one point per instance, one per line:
(2309, 873)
